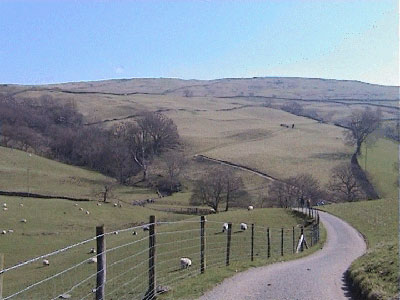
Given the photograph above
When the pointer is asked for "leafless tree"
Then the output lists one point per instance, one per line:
(343, 183)
(234, 187)
(361, 124)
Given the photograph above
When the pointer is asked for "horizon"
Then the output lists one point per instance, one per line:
(58, 42)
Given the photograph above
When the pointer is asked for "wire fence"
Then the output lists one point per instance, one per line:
(144, 261)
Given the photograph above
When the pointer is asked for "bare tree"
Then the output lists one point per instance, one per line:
(234, 187)
(361, 125)
(343, 183)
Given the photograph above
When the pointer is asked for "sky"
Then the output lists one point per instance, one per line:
(62, 41)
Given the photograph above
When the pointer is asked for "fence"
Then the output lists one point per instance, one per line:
(144, 261)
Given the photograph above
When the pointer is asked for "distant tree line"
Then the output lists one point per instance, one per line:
(57, 130)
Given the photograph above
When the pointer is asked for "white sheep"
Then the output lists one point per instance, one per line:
(46, 262)
(92, 250)
(93, 260)
(115, 204)
(212, 210)
(225, 227)
(23, 221)
(251, 207)
(116, 232)
(4, 204)
(5, 208)
(243, 226)
(3, 232)
(76, 204)
(146, 228)
(10, 230)
(134, 233)
(87, 212)
(98, 204)
(185, 262)
(21, 205)
(81, 209)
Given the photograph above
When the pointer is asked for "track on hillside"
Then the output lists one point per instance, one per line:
(315, 277)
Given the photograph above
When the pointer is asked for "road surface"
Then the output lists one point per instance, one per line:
(319, 276)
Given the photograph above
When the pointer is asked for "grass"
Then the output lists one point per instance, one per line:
(375, 274)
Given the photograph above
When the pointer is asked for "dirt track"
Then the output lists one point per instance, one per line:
(319, 276)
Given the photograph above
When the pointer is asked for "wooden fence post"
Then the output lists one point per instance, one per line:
(101, 263)
(252, 242)
(268, 243)
(293, 240)
(281, 241)
(1, 276)
(150, 294)
(202, 244)
(228, 243)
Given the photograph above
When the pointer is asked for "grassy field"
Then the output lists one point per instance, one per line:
(376, 273)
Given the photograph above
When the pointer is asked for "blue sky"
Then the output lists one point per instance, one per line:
(60, 41)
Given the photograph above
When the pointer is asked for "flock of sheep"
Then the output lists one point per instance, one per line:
(185, 262)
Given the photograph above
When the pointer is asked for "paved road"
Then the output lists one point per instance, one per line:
(315, 277)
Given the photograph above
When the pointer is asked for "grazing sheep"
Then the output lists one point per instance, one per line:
(212, 210)
(21, 205)
(3, 232)
(146, 228)
(10, 230)
(4, 204)
(225, 227)
(250, 207)
(87, 212)
(134, 233)
(185, 262)
(5, 208)
(46, 262)
(92, 250)
(81, 209)
(76, 204)
(116, 232)
(93, 260)
(243, 226)
(115, 204)
(98, 204)
(23, 221)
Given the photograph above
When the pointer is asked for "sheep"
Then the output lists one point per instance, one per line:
(212, 210)
(185, 262)
(21, 205)
(81, 209)
(87, 212)
(98, 204)
(10, 230)
(76, 204)
(115, 204)
(93, 260)
(116, 232)
(46, 262)
(92, 250)
(23, 221)
(5, 208)
(250, 207)
(225, 227)
(134, 233)
(243, 226)
(4, 204)
(3, 232)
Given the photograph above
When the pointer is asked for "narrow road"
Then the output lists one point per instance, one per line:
(319, 276)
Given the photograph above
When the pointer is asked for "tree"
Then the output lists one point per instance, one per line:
(233, 187)
(344, 184)
(360, 125)
(288, 192)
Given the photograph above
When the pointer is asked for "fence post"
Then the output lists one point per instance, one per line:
(293, 240)
(252, 242)
(268, 243)
(302, 234)
(228, 243)
(101, 262)
(1, 276)
(281, 241)
(312, 236)
(150, 294)
(202, 244)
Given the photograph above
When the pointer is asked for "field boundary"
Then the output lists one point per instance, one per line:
(41, 196)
